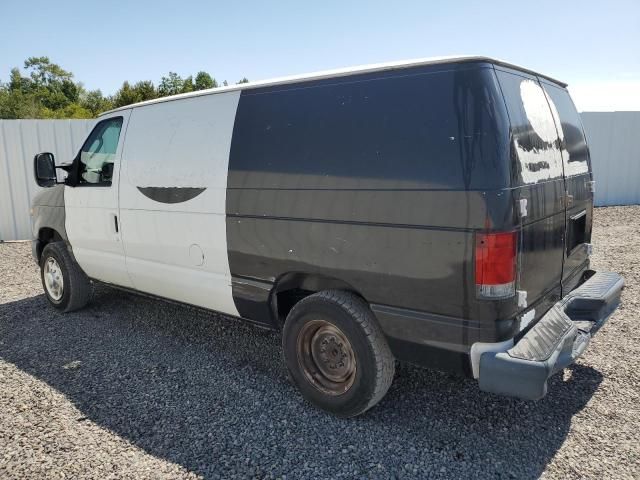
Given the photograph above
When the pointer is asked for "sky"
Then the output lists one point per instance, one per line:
(594, 46)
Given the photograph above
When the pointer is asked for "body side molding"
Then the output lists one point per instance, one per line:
(171, 194)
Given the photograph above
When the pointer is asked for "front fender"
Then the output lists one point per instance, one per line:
(48, 218)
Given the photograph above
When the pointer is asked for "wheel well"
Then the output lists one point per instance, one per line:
(293, 287)
(46, 235)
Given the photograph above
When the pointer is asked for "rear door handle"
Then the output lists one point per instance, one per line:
(569, 200)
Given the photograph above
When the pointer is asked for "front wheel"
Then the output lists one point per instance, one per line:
(66, 286)
(336, 353)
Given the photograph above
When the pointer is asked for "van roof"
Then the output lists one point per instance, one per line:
(340, 72)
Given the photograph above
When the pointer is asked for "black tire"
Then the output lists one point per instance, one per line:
(374, 362)
(76, 290)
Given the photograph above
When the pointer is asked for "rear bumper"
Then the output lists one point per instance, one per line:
(554, 342)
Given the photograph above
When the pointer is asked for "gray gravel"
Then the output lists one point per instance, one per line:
(135, 388)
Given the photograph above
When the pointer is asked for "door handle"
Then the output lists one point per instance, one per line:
(115, 227)
(569, 200)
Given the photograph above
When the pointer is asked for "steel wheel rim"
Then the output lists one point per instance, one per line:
(53, 279)
(326, 357)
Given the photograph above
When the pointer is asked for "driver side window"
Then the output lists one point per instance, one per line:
(98, 153)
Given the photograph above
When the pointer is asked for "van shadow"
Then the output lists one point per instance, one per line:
(210, 393)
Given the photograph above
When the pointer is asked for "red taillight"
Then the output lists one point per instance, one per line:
(496, 265)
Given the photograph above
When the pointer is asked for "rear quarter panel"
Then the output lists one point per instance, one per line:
(379, 180)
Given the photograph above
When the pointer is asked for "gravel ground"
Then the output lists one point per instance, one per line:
(135, 388)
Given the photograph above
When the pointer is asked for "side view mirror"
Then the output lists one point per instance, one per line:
(44, 169)
(107, 172)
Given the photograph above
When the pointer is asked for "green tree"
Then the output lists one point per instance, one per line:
(73, 110)
(44, 73)
(71, 90)
(95, 102)
(14, 105)
(49, 87)
(139, 92)
(17, 82)
(145, 90)
(187, 85)
(125, 96)
(243, 80)
(49, 91)
(204, 81)
(170, 85)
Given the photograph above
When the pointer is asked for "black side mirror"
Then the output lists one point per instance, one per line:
(44, 169)
(107, 172)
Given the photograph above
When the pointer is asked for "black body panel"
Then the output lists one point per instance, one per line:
(380, 181)
(421, 128)
(538, 180)
(578, 178)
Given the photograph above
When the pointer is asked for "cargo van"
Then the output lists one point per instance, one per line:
(436, 212)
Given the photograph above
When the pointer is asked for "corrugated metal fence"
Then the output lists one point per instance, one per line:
(613, 139)
(20, 140)
(614, 142)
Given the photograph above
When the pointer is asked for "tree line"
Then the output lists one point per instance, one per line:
(49, 91)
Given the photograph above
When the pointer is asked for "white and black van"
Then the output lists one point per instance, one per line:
(436, 212)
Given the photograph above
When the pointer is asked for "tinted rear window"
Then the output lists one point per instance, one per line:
(574, 145)
(442, 130)
(534, 148)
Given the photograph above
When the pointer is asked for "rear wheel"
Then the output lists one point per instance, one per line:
(336, 353)
(66, 286)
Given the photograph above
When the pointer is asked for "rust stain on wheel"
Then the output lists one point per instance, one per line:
(326, 357)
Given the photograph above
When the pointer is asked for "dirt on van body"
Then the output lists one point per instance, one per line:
(135, 388)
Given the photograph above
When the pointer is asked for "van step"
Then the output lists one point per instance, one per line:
(584, 309)
(596, 294)
(543, 339)
(554, 342)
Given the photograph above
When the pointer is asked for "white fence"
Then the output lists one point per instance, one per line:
(613, 139)
(20, 140)
(614, 142)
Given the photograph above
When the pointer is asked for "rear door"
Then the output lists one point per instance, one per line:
(538, 187)
(578, 183)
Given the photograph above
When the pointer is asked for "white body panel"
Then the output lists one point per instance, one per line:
(91, 214)
(179, 250)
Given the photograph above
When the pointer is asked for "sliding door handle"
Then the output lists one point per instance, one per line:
(115, 228)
